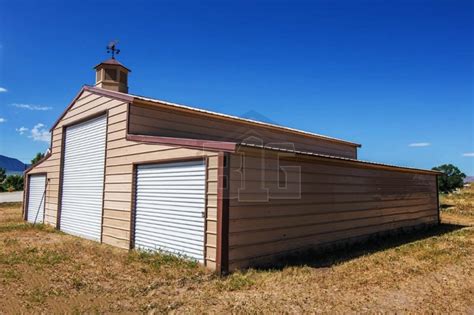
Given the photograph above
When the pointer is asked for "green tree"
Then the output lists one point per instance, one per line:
(38, 157)
(451, 179)
(13, 182)
(2, 178)
(2, 175)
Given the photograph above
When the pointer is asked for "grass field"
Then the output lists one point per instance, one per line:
(42, 270)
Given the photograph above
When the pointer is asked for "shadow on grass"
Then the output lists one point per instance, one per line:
(338, 253)
(23, 226)
(446, 206)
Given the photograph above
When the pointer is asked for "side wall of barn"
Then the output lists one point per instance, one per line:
(278, 206)
(121, 155)
(159, 121)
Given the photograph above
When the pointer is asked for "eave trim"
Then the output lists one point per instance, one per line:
(44, 158)
(343, 159)
(220, 146)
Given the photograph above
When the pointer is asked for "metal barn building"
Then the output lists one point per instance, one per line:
(136, 172)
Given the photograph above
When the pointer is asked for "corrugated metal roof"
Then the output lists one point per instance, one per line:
(251, 145)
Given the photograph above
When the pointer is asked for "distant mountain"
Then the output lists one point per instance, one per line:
(469, 179)
(253, 115)
(11, 165)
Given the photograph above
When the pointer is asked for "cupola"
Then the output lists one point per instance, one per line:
(112, 75)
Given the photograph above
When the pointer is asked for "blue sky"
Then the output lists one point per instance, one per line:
(396, 76)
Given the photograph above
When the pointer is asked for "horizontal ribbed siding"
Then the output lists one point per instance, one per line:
(313, 204)
(152, 120)
(119, 172)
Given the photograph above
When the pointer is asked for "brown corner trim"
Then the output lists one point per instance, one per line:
(222, 259)
(128, 118)
(105, 175)
(184, 142)
(26, 196)
(133, 210)
(437, 199)
(61, 177)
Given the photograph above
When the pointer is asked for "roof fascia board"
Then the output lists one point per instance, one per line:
(220, 146)
(98, 91)
(44, 158)
(115, 95)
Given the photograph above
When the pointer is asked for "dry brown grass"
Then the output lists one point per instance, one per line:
(42, 270)
(460, 204)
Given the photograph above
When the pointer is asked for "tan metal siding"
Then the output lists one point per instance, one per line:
(51, 167)
(338, 202)
(118, 188)
(87, 105)
(119, 171)
(211, 216)
(149, 120)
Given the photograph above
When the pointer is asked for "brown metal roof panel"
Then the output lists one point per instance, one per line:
(113, 62)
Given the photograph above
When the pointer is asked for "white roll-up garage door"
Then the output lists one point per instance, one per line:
(36, 198)
(83, 179)
(170, 208)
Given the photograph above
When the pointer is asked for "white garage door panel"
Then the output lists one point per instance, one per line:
(83, 179)
(170, 202)
(36, 198)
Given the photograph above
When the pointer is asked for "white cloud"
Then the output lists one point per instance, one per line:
(3, 90)
(2, 120)
(32, 107)
(39, 133)
(419, 144)
(468, 154)
(21, 130)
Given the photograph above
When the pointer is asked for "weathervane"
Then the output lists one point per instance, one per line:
(112, 48)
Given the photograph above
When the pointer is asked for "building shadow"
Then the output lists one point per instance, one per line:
(343, 252)
(445, 206)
